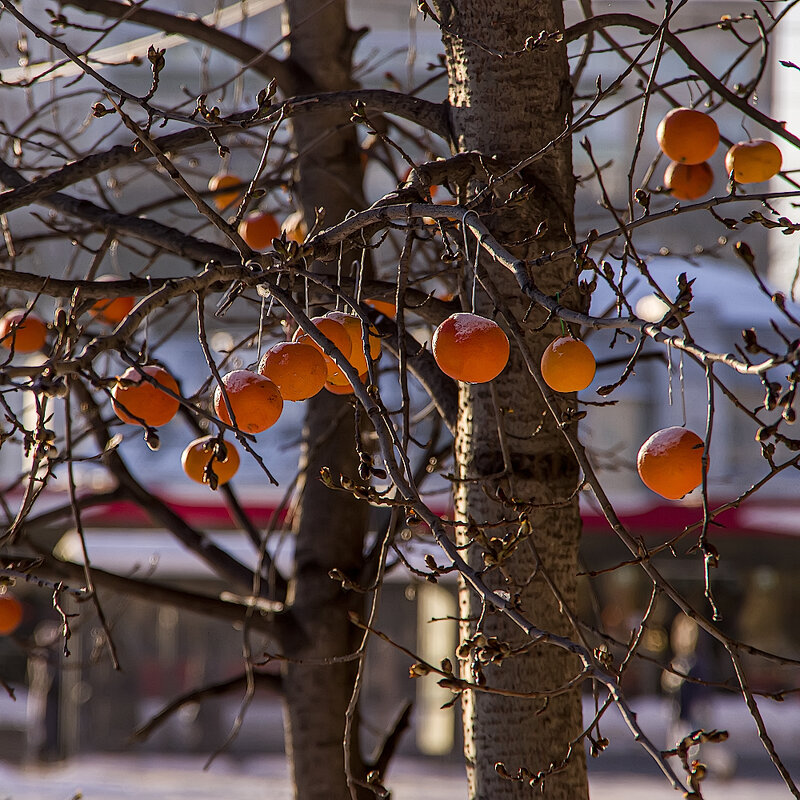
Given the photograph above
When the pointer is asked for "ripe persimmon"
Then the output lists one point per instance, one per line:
(256, 401)
(112, 310)
(470, 348)
(670, 462)
(138, 401)
(333, 330)
(688, 181)
(567, 365)
(258, 229)
(23, 334)
(383, 307)
(432, 221)
(295, 228)
(433, 188)
(197, 455)
(688, 136)
(353, 327)
(221, 181)
(753, 162)
(346, 387)
(297, 369)
(10, 614)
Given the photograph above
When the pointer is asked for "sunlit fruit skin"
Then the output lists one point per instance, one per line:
(333, 330)
(435, 222)
(670, 462)
(197, 454)
(753, 162)
(256, 401)
(359, 362)
(433, 188)
(112, 310)
(23, 334)
(568, 365)
(297, 369)
(688, 181)
(470, 348)
(258, 229)
(220, 181)
(345, 388)
(10, 614)
(295, 228)
(384, 307)
(143, 400)
(688, 136)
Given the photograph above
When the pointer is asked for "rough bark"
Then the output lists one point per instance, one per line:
(510, 108)
(329, 527)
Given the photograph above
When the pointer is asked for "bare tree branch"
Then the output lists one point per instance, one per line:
(263, 680)
(194, 28)
(147, 230)
(642, 25)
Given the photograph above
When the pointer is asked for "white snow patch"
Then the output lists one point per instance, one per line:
(557, 345)
(663, 441)
(466, 325)
(236, 381)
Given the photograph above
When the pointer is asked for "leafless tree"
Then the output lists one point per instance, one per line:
(507, 248)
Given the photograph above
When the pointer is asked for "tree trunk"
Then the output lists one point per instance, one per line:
(510, 108)
(329, 527)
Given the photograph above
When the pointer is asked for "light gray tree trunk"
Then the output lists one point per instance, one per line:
(510, 108)
(329, 527)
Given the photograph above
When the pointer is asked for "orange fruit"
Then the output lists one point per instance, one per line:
(470, 348)
(567, 365)
(353, 327)
(112, 310)
(141, 402)
(197, 455)
(295, 228)
(10, 614)
(753, 162)
(688, 136)
(221, 181)
(688, 181)
(20, 333)
(334, 331)
(432, 221)
(345, 388)
(670, 462)
(258, 229)
(433, 188)
(297, 369)
(256, 401)
(383, 307)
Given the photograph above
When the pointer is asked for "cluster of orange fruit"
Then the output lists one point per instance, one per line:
(252, 400)
(467, 347)
(690, 137)
(258, 228)
(474, 349)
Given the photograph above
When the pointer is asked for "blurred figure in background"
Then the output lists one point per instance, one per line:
(692, 706)
(43, 693)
